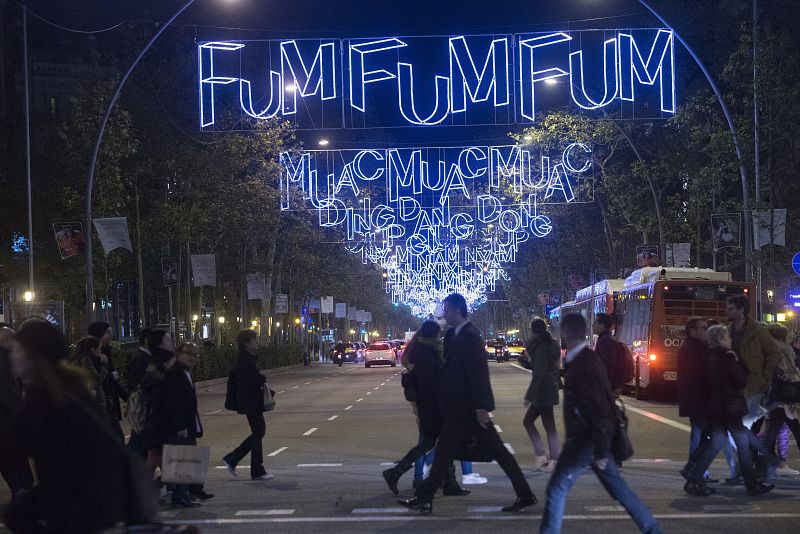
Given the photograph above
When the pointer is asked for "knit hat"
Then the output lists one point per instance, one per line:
(98, 329)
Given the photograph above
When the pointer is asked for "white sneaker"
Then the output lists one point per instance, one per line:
(786, 471)
(265, 476)
(540, 463)
(473, 478)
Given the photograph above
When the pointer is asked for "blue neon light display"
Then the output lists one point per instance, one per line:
(427, 81)
(436, 220)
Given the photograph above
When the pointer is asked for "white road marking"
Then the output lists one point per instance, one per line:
(237, 467)
(497, 427)
(319, 465)
(484, 509)
(333, 417)
(307, 383)
(660, 419)
(396, 510)
(604, 509)
(295, 387)
(527, 518)
(376, 388)
(284, 391)
(263, 512)
(369, 393)
(277, 451)
(348, 408)
(518, 366)
(359, 400)
(387, 464)
(212, 413)
(510, 448)
(310, 431)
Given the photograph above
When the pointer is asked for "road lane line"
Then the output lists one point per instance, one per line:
(596, 509)
(212, 413)
(332, 418)
(237, 467)
(484, 509)
(310, 431)
(277, 451)
(284, 391)
(376, 388)
(307, 383)
(319, 465)
(385, 464)
(241, 513)
(660, 419)
(393, 510)
(497, 427)
(349, 408)
(369, 393)
(510, 448)
(295, 387)
(359, 400)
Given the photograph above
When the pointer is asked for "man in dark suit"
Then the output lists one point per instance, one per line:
(590, 422)
(250, 384)
(181, 421)
(465, 400)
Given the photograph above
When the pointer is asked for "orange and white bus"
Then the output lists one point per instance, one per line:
(650, 309)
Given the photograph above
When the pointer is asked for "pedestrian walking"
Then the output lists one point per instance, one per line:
(606, 346)
(783, 403)
(250, 389)
(728, 376)
(465, 400)
(424, 359)
(544, 353)
(81, 484)
(113, 390)
(182, 424)
(15, 471)
(756, 348)
(153, 433)
(88, 357)
(137, 368)
(590, 423)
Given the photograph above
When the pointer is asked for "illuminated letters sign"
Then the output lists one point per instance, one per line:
(437, 220)
(429, 81)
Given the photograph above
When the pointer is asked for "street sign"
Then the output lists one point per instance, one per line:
(796, 263)
(281, 303)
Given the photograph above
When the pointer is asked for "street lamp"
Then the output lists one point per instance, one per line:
(96, 151)
(323, 142)
(221, 320)
(28, 296)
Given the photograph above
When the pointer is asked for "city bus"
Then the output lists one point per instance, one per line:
(650, 309)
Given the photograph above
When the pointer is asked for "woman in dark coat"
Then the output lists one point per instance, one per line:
(727, 405)
(424, 357)
(111, 386)
(154, 432)
(81, 482)
(542, 394)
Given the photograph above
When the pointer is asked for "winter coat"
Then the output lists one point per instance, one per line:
(114, 391)
(606, 349)
(694, 388)
(545, 354)
(250, 384)
(464, 385)
(154, 432)
(425, 361)
(80, 466)
(179, 402)
(97, 372)
(137, 367)
(728, 377)
(758, 351)
(588, 412)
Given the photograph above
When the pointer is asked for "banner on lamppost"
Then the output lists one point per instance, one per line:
(368, 317)
(169, 271)
(281, 303)
(326, 305)
(341, 310)
(113, 233)
(70, 239)
(204, 270)
(352, 313)
(256, 287)
(679, 254)
(361, 316)
(769, 227)
(726, 230)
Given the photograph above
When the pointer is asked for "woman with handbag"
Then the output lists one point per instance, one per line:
(727, 405)
(544, 353)
(783, 402)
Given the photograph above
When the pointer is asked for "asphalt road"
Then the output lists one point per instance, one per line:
(335, 429)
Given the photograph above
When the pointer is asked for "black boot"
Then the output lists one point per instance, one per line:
(392, 476)
(451, 486)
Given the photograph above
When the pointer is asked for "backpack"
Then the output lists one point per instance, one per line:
(137, 410)
(625, 370)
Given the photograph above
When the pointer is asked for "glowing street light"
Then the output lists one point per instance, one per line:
(28, 296)
(323, 142)
(221, 320)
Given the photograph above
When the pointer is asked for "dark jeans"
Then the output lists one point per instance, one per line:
(700, 431)
(549, 422)
(456, 432)
(576, 455)
(710, 447)
(426, 443)
(251, 445)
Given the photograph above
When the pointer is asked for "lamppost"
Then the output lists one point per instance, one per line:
(95, 152)
(748, 245)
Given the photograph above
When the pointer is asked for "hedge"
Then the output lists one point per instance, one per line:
(216, 362)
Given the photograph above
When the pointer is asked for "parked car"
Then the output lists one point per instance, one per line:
(380, 353)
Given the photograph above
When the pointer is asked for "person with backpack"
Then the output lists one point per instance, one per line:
(544, 353)
(616, 356)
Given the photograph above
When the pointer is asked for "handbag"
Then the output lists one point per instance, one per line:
(787, 391)
(621, 446)
(185, 464)
(269, 398)
(476, 449)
